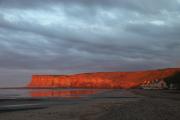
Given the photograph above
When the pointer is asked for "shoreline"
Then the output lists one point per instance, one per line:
(109, 105)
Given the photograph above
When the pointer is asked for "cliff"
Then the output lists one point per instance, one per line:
(100, 79)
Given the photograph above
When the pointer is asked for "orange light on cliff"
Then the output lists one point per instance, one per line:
(100, 80)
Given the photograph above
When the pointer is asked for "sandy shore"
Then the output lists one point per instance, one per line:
(110, 105)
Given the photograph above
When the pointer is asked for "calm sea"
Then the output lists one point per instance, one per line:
(39, 93)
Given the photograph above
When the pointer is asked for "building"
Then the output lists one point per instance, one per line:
(155, 84)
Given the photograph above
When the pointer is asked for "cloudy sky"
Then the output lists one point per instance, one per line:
(72, 36)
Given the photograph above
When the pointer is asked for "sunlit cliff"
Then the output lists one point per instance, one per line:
(100, 79)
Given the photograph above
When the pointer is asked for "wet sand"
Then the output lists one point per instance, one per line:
(109, 105)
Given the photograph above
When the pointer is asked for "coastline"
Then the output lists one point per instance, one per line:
(109, 105)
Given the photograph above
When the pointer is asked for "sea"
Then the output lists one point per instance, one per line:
(47, 93)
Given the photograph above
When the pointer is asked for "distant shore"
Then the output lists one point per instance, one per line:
(109, 105)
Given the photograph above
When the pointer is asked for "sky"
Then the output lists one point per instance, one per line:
(77, 36)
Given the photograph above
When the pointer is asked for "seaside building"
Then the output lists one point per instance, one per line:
(155, 84)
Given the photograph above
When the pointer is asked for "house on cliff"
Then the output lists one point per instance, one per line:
(155, 84)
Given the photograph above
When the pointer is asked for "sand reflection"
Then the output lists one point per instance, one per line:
(61, 93)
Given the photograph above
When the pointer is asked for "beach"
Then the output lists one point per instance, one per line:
(132, 104)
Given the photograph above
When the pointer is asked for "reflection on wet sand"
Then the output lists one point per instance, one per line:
(61, 93)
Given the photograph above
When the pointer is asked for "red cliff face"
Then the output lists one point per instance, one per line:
(100, 79)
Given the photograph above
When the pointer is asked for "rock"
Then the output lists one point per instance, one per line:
(100, 79)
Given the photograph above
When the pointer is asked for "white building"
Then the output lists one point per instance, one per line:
(155, 84)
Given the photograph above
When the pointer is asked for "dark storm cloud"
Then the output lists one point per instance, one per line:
(72, 36)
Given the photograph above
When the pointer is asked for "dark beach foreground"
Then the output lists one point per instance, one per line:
(107, 105)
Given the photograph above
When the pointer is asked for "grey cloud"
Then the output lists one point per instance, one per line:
(137, 5)
(168, 31)
(72, 36)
